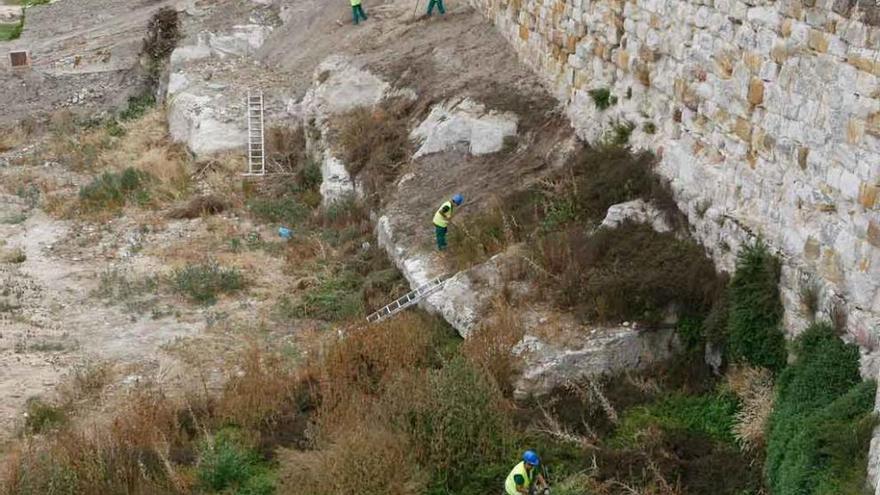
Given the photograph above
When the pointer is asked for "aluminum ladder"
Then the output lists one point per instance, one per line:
(410, 299)
(256, 155)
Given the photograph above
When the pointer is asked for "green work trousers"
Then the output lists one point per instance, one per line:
(357, 12)
(440, 232)
(438, 3)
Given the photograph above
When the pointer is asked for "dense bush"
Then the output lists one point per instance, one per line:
(225, 462)
(335, 297)
(375, 143)
(203, 282)
(113, 190)
(367, 460)
(459, 422)
(628, 273)
(607, 176)
(821, 419)
(710, 415)
(285, 210)
(754, 328)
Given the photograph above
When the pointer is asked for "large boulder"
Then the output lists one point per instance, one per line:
(638, 211)
(206, 108)
(464, 125)
(589, 352)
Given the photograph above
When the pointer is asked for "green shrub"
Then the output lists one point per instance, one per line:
(821, 418)
(137, 106)
(224, 462)
(628, 273)
(113, 190)
(619, 134)
(310, 176)
(203, 282)
(42, 416)
(603, 177)
(710, 415)
(285, 210)
(335, 298)
(755, 314)
(602, 98)
(459, 424)
(11, 31)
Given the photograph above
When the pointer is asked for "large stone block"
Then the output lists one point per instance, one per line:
(756, 92)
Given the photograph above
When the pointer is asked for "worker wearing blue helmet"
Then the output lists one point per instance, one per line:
(442, 218)
(524, 475)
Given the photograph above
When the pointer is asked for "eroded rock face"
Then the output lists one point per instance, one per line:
(464, 125)
(208, 113)
(201, 118)
(339, 86)
(594, 352)
(460, 303)
(638, 211)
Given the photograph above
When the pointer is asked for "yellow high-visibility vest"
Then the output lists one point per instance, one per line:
(510, 485)
(439, 219)
(355, 3)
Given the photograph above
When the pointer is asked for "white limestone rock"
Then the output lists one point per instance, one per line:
(340, 86)
(460, 302)
(638, 211)
(336, 184)
(600, 350)
(193, 119)
(464, 124)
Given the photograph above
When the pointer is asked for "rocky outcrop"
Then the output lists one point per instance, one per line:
(206, 108)
(339, 86)
(204, 119)
(591, 352)
(638, 211)
(460, 303)
(464, 125)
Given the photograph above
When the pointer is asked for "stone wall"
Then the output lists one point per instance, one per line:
(766, 116)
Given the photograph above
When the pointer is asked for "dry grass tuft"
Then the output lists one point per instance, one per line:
(259, 392)
(375, 143)
(490, 346)
(368, 459)
(754, 387)
(367, 359)
(198, 207)
(11, 139)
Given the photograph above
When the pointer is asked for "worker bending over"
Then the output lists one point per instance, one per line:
(357, 11)
(523, 475)
(442, 218)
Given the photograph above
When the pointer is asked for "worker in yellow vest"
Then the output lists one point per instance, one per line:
(442, 218)
(524, 475)
(357, 11)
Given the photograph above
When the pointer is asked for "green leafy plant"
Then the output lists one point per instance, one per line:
(755, 315)
(203, 282)
(41, 416)
(113, 190)
(602, 98)
(225, 463)
(821, 424)
(711, 415)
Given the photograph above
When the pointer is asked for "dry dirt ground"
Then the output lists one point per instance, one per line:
(53, 320)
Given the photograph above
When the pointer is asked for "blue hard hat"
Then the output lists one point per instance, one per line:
(458, 199)
(531, 457)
